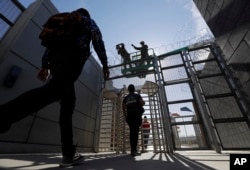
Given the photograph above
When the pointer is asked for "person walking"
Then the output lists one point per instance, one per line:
(132, 104)
(65, 63)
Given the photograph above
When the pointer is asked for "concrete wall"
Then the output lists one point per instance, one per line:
(40, 132)
(229, 21)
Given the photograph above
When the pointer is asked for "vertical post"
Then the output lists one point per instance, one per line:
(123, 128)
(202, 105)
(163, 106)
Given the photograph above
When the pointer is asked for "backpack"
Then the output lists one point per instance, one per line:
(133, 104)
(61, 29)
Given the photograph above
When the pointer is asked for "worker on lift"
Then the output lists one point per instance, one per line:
(124, 54)
(144, 51)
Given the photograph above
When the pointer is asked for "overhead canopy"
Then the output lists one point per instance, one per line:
(149, 88)
(110, 94)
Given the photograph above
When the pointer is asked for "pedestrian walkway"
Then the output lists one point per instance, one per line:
(180, 160)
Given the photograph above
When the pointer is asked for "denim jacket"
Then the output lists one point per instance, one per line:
(84, 41)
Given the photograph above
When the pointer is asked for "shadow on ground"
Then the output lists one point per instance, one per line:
(147, 161)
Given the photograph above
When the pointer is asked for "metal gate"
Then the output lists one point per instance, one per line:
(193, 101)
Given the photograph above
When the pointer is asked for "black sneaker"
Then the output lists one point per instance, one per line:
(135, 154)
(69, 161)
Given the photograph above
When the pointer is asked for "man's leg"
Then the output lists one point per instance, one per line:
(70, 156)
(67, 109)
(131, 136)
(65, 74)
(146, 140)
(134, 132)
(24, 105)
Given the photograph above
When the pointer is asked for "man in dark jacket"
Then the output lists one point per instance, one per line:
(65, 64)
(132, 109)
(144, 52)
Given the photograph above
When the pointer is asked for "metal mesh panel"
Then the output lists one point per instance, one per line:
(214, 85)
(183, 91)
(201, 54)
(174, 74)
(207, 68)
(171, 60)
(219, 108)
(189, 136)
(234, 135)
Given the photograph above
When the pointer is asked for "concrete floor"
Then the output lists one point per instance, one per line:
(180, 160)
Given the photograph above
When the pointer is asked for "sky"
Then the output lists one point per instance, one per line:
(164, 25)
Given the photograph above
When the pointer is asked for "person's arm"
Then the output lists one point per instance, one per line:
(99, 47)
(141, 101)
(124, 109)
(148, 127)
(137, 48)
